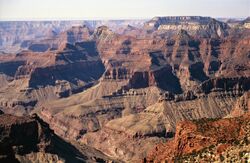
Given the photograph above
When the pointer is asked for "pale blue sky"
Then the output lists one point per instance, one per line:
(117, 9)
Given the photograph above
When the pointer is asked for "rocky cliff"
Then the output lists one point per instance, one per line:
(25, 139)
(37, 76)
(206, 140)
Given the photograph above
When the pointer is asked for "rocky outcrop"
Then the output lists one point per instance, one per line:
(29, 139)
(206, 140)
(103, 33)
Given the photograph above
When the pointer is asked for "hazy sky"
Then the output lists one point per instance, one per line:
(117, 9)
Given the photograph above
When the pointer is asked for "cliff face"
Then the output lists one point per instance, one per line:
(30, 139)
(38, 76)
(182, 61)
(12, 128)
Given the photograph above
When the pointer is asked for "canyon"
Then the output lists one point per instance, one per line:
(126, 91)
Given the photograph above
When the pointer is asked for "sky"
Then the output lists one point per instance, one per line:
(120, 9)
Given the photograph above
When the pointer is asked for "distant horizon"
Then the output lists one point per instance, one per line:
(32, 10)
(111, 19)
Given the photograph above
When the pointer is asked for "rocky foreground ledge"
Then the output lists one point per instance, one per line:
(207, 140)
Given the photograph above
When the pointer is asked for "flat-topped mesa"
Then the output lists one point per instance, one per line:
(174, 19)
(206, 26)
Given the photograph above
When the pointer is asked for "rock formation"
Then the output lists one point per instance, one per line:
(204, 26)
(206, 140)
(26, 139)
(123, 90)
(18, 35)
